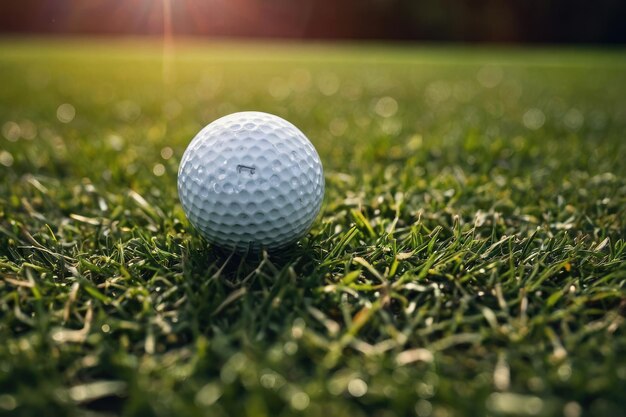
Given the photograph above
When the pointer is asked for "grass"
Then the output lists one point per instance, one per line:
(470, 257)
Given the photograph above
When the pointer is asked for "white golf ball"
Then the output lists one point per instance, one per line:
(251, 180)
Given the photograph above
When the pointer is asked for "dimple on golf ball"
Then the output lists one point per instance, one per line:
(251, 180)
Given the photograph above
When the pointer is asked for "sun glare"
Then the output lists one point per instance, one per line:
(167, 41)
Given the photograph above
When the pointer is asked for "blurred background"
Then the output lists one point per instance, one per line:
(501, 21)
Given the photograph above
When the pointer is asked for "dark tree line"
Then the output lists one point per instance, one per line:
(556, 21)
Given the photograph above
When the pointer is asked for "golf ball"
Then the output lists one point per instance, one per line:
(251, 180)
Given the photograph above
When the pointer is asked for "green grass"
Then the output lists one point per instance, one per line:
(470, 257)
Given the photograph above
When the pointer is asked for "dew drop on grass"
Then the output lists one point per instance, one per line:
(167, 153)
(158, 170)
(11, 131)
(290, 348)
(7, 402)
(423, 408)
(6, 158)
(386, 106)
(116, 142)
(268, 379)
(300, 401)
(357, 387)
(66, 113)
(534, 119)
(573, 119)
(28, 130)
(572, 409)
(208, 394)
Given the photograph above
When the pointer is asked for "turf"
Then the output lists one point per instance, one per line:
(470, 257)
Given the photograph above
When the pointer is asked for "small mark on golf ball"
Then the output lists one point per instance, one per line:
(244, 168)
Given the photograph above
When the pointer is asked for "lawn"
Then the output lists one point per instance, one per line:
(469, 259)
